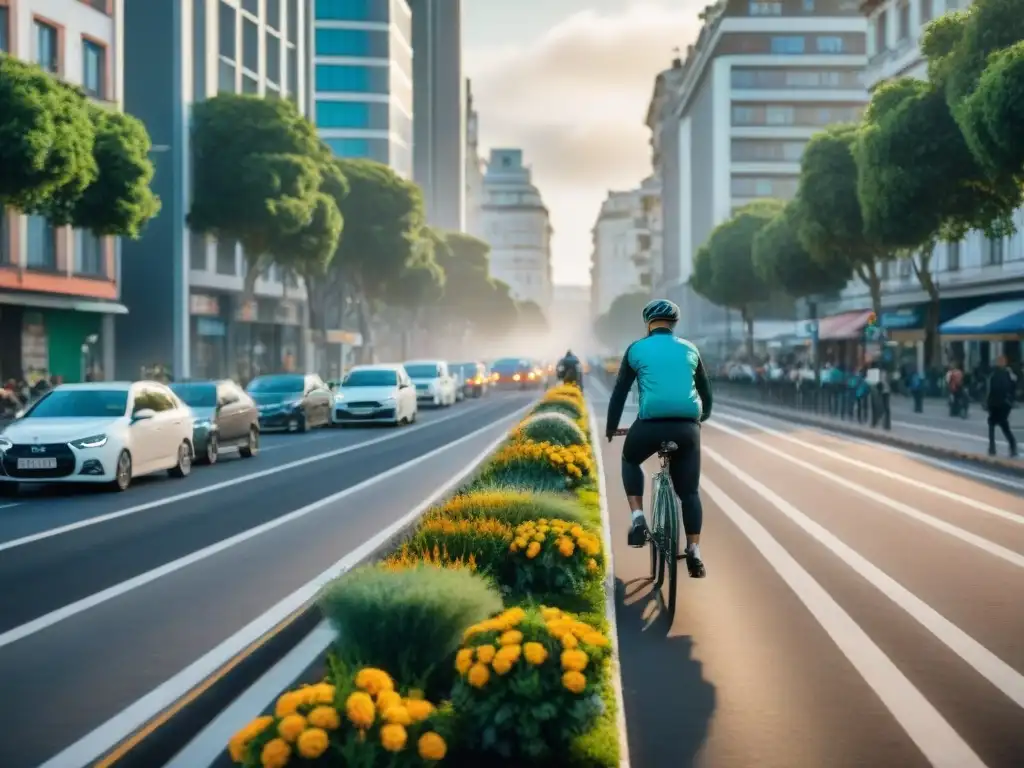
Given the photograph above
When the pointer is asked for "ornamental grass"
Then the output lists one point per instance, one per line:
(539, 466)
(550, 427)
(553, 557)
(358, 719)
(407, 622)
(510, 505)
(406, 557)
(530, 681)
(483, 539)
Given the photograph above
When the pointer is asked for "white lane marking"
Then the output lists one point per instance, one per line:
(983, 661)
(905, 509)
(933, 735)
(609, 589)
(952, 496)
(100, 740)
(939, 431)
(164, 500)
(824, 431)
(72, 609)
(209, 744)
(8, 506)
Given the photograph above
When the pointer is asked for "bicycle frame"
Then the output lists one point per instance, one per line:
(664, 533)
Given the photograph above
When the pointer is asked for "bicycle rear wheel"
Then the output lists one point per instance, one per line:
(654, 541)
(671, 552)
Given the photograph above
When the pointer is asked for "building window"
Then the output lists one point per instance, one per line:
(743, 115)
(197, 255)
(953, 257)
(94, 69)
(352, 42)
(763, 186)
(342, 114)
(351, 79)
(756, 150)
(758, 8)
(994, 255)
(5, 20)
(352, 10)
(881, 33)
(226, 257)
(903, 21)
(250, 85)
(228, 21)
(42, 244)
(927, 11)
(293, 73)
(293, 21)
(777, 115)
(90, 258)
(830, 44)
(250, 45)
(808, 6)
(371, 149)
(273, 43)
(273, 14)
(226, 77)
(252, 6)
(787, 45)
(47, 47)
(906, 268)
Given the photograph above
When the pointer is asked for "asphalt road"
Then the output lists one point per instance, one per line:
(107, 596)
(863, 607)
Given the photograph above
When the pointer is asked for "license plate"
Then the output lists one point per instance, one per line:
(361, 411)
(37, 463)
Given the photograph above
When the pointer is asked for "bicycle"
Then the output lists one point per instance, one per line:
(663, 532)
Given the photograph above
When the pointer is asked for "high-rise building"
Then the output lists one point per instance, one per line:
(621, 240)
(362, 80)
(59, 287)
(733, 118)
(439, 111)
(474, 166)
(187, 289)
(515, 222)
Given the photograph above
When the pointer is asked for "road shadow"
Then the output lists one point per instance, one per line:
(668, 703)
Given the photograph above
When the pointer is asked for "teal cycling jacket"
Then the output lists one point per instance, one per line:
(670, 378)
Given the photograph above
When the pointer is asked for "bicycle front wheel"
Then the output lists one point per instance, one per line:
(671, 553)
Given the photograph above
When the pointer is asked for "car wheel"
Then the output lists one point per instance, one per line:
(184, 466)
(252, 445)
(212, 450)
(122, 472)
(297, 424)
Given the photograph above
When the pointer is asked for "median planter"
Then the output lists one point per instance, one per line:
(482, 639)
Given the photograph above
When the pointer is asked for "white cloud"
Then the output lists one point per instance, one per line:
(575, 101)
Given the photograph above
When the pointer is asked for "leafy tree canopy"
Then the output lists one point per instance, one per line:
(421, 283)
(531, 317)
(623, 322)
(46, 141)
(993, 115)
(471, 296)
(783, 263)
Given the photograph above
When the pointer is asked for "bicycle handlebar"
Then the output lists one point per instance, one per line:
(621, 432)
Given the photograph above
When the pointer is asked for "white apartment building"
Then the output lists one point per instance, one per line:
(60, 287)
(515, 222)
(967, 272)
(732, 119)
(474, 166)
(622, 245)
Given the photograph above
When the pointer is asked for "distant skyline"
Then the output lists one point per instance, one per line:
(569, 82)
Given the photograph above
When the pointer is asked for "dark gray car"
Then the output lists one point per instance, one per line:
(226, 417)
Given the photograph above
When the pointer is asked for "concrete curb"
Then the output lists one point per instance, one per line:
(886, 438)
(609, 589)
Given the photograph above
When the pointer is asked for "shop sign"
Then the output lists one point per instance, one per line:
(246, 312)
(203, 305)
(902, 319)
(211, 327)
(348, 338)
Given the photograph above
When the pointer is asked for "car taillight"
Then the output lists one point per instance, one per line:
(517, 377)
(531, 375)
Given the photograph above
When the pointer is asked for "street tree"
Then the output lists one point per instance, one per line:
(623, 322)
(531, 318)
(727, 275)
(473, 302)
(46, 140)
(993, 115)
(830, 222)
(784, 264)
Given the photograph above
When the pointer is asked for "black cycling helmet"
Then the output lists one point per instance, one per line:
(568, 353)
(661, 309)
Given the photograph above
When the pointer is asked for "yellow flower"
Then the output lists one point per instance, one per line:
(512, 637)
(431, 746)
(386, 700)
(290, 727)
(538, 537)
(535, 653)
(324, 717)
(550, 614)
(574, 660)
(323, 693)
(464, 660)
(393, 737)
(591, 565)
(533, 550)
(577, 531)
(275, 754)
(398, 715)
(502, 665)
(478, 676)
(373, 681)
(360, 710)
(313, 743)
(569, 640)
(595, 638)
(574, 681)
(515, 615)
(566, 548)
(240, 741)
(418, 709)
(513, 547)
(288, 704)
(485, 653)
(510, 652)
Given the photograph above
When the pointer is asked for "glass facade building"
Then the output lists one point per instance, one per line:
(362, 79)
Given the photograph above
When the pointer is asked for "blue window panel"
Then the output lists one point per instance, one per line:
(349, 147)
(352, 10)
(342, 114)
(340, 78)
(830, 45)
(351, 42)
(787, 45)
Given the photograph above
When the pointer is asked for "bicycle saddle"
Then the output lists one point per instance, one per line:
(667, 447)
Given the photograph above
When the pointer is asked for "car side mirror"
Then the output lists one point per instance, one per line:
(143, 414)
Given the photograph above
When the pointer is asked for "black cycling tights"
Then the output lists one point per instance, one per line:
(643, 441)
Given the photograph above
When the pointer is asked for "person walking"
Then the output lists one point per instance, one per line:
(1002, 390)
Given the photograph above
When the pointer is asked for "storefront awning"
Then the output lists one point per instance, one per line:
(993, 321)
(843, 327)
(54, 301)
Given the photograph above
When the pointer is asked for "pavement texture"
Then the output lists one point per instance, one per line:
(80, 641)
(863, 607)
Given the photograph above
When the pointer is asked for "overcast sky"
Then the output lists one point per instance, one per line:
(569, 81)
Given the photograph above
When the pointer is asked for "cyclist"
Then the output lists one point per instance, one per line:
(569, 369)
(675, 397)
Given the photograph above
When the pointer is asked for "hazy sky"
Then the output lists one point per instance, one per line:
(569, 81)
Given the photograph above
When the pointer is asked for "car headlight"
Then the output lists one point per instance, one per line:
(96, 441)
(5, 444)
(339, 397)
(388, 401)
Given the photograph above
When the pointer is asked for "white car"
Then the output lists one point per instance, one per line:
(434, 383)
(375, 394)
(103, 432)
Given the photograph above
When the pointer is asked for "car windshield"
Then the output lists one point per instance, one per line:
(198, 394)
(509, 365)
(371, 379)
(469, 370)
(422, 371)
(281, 384)
(80, 404)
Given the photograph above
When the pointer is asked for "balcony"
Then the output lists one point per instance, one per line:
(103, 6)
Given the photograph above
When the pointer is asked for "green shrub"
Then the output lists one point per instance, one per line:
(407, 622)
(552, 427)
(508, 504)
(559, 406)
(481, 542)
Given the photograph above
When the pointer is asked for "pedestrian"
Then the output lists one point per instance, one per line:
(1002, 389)
(917, 391)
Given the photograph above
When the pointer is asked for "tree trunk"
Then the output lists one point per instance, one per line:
(365, 353)
(748, 332)
(868, 273)
(932, 340)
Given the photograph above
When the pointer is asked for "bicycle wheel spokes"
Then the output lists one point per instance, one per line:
(662, 494)
(671, 553)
